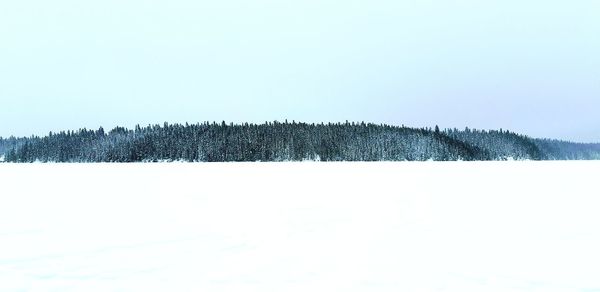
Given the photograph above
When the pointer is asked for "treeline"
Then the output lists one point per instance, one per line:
(275, 141)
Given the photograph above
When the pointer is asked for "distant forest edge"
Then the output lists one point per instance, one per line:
(276, 141)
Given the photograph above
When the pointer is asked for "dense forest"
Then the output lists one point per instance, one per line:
(276, 141)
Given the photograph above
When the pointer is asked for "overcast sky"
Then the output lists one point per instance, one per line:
(529, 66)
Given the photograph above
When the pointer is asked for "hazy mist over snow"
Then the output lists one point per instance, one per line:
(531, 67)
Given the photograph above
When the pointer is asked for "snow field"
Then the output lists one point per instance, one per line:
(423, 226)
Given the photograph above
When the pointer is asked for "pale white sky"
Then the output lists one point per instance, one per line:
(529, 66)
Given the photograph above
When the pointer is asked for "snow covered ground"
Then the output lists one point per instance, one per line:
(433, 226)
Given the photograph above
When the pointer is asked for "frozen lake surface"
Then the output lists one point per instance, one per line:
(456, 226)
